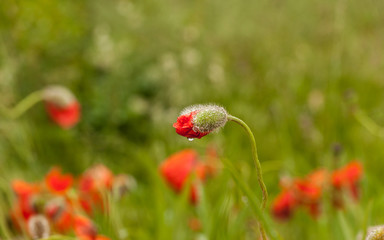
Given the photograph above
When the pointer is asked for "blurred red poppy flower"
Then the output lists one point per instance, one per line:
(348, 177)
(100, 237)
(58, 207)
(177, 168)
(284, 205)
(194, 224)
(26, 193)
(60, 213)
(98, 177)
(92, 184)
(319, 177)
(24, 189)
(314, 209)
(212, 163)
(84, 228)
(21, 212)
(307, 192)
(57, 182)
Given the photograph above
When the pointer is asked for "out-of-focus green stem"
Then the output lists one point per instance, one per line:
(23, 106)
(257, 164)
(253, 202)
(368, 123)
(4, 111)
(3, 225)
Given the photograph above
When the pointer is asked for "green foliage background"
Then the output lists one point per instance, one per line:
(285, 67)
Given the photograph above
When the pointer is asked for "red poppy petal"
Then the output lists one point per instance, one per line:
(100, 237)
(177, 168)
(24, 189)
(184, 126)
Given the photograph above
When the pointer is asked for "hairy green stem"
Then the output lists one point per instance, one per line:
(25, 104)
(257, 165)
(255, 158)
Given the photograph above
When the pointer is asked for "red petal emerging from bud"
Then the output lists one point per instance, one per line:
(184, 126)
(57, 182)
(65, 117)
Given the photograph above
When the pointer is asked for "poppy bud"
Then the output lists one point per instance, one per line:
(198, 120)
(62, 106)
(58, 95)
(38, 227)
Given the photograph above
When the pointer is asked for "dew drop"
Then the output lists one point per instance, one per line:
(190, 139)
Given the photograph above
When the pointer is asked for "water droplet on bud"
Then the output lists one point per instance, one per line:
(190, 139)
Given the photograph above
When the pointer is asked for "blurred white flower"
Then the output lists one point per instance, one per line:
(216, 72)
(191, 33)
(191, 57)
(38, 227)
(315, 100)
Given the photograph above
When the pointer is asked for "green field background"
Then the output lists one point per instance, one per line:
(288, 68)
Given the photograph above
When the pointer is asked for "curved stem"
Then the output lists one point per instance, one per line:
(25, 104)
(257, 165)
(255, 158)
